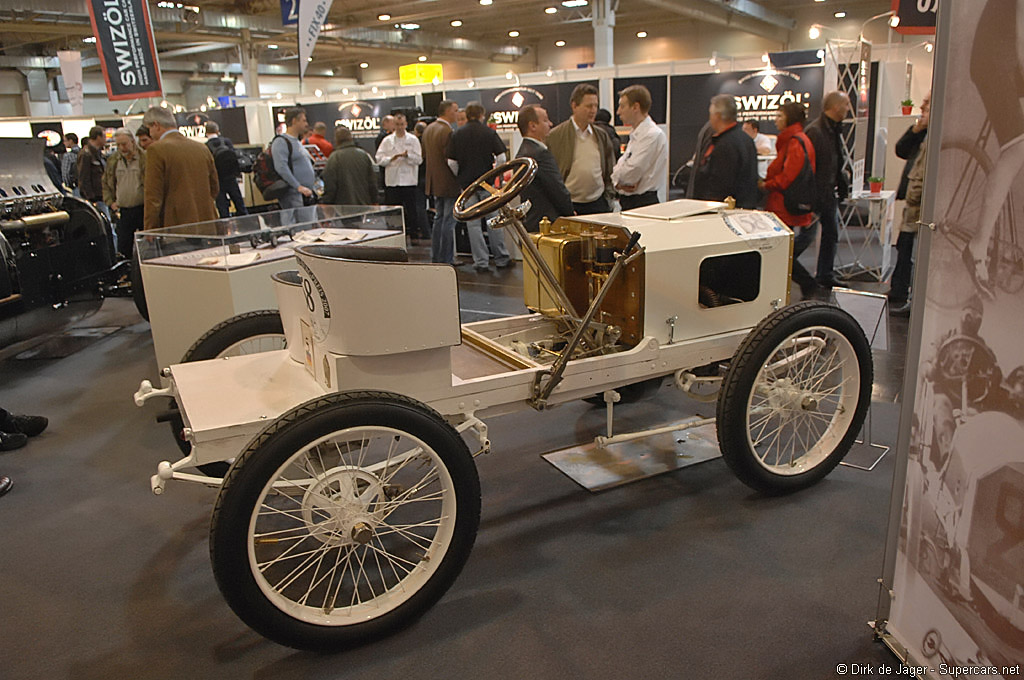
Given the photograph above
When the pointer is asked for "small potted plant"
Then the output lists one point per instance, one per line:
(875, 183)
(908, 106)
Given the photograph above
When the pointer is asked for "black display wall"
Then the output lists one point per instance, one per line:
(502, 104)
(360, 116)
(759, 94)
(658, 86)
(231, 121)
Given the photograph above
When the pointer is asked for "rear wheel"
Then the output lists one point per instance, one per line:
(345, 520)
(248, 333)
(794, 397)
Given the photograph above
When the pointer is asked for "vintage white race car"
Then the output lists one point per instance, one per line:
(353, 501)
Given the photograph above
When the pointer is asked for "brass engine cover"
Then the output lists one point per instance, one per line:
(561, 246)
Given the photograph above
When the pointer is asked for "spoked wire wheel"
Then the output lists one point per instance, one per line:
(345, 521)
(794, 397)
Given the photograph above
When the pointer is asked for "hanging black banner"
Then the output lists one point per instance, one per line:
(124, 40)
(917, 17)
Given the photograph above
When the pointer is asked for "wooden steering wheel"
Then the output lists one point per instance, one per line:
(523, 171)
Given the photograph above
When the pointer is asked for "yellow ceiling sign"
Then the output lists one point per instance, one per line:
(420, 74)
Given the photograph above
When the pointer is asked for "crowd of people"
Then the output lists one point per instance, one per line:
(152, 180)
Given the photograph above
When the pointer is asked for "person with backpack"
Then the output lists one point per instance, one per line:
(790, 175)
(292, 162)
(225, 159)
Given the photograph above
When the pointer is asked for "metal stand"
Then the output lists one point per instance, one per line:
(867, 439)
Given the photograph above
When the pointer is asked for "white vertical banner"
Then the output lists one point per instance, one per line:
(312, 15)
(71, 71)
(958, 583)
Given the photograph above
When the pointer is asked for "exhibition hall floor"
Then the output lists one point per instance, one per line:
(685, 575)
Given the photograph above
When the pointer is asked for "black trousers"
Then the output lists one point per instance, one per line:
(902, 275)
(405, 197)
(593, 207)
(128, 223)
(638, 200)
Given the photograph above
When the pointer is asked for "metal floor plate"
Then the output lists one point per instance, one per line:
(598, 469)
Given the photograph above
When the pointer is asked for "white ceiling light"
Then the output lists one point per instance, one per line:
(422, 57)
(486, 2)
(364, 65)
(471, 83)
(309, 58)
(384, 17)
(318, 92)
(559, 43)
(374, 88)
(456, 23)
(840, 15)
(89, 39)
(550, 10)
(513, 34)
(278, 95)
(344, 90)
(765, 58)
(575, 3)
(409, 27)
(641, 34)
(271, 46)
(928, 47)
(815, 32)
(509, 75)
(550, 72)
(894, 21)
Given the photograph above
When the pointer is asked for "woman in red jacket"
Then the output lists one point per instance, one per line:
(784, 169)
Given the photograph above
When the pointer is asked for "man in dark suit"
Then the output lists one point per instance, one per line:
(181, 178)
(547, 193)
(728, 166)
(441, 182)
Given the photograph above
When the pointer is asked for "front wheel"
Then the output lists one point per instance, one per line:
(794, 397)
(345, 520)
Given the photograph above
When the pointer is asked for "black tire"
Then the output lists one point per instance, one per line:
(629, 394)
(214, 344)
(138, 292)
(829, 340)
(332, 480)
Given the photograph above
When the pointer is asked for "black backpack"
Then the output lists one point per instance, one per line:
(224, 158)
(265, 175)
(798, 197)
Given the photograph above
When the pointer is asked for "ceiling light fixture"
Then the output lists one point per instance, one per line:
(928, 47)
(373, 89)
(364, 65)
(271, 46)
(470, 83)
(713, 61)
(409, 27)
(278, 95)
(384, 17)
(513, 34)
(814, 32)
(840, 15)
(765, 58)
(486, 2)
(559, 43)
(422, 57)
(456, 23)
(550, 72)
(641, 34)
(550, 10)
(344, 90)
(89, 39)
(575, 3)
(894, 20)
(318, 92)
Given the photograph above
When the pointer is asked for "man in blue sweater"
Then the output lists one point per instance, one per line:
(292, 161)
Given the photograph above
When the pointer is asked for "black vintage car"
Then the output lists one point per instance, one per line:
(53, 247)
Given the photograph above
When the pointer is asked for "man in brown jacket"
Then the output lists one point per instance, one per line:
(584, 154)
(441, 183)
(181, 178)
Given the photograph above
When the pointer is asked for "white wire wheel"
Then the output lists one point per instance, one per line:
(794, 397)
(345, 521)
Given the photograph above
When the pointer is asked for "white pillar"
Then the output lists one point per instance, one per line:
(604, 32)
(250, 64)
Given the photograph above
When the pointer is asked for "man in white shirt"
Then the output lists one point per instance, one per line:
(762, 142)
(584, 154)
(644, 166)
(400, 156)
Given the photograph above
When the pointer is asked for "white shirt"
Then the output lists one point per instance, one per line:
(645, 162)
(400, 172)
